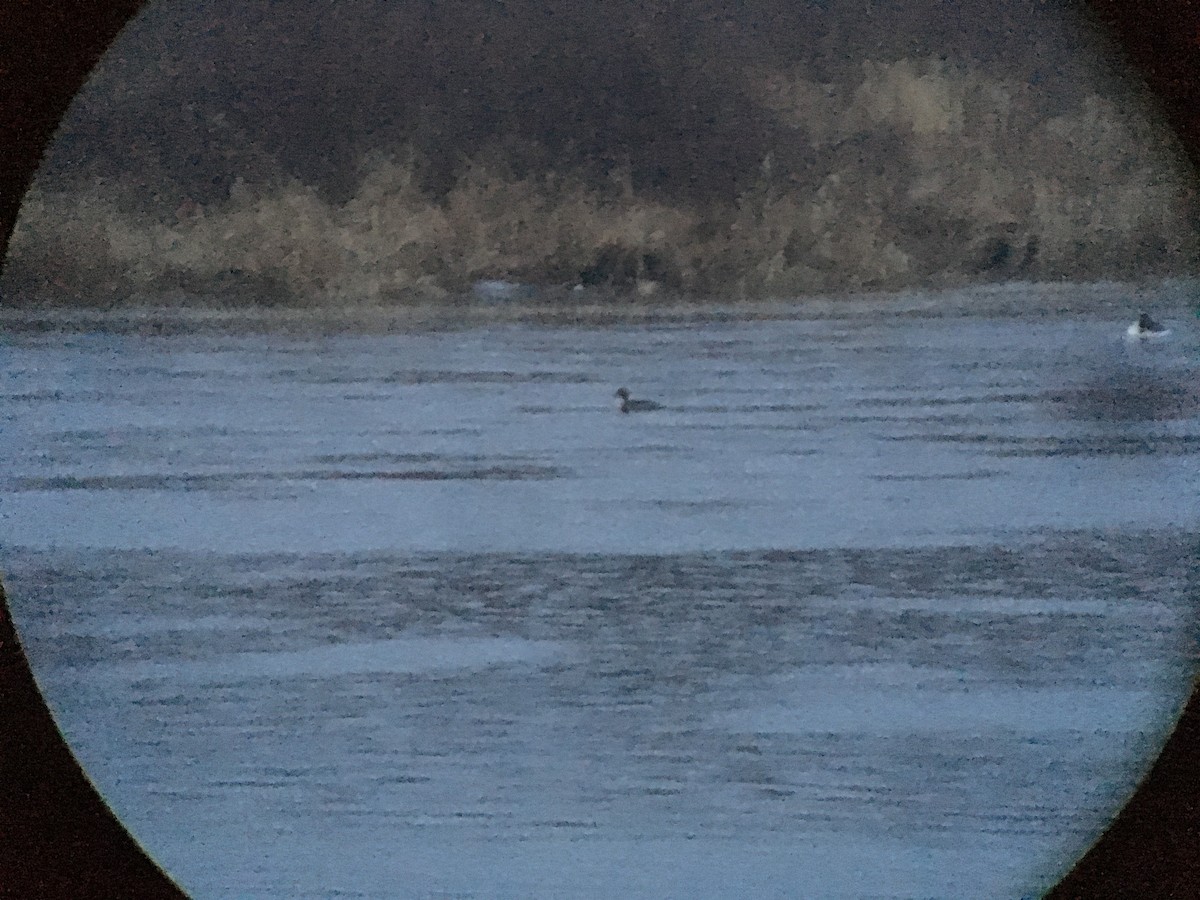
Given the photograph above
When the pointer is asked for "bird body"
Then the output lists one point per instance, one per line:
(628, 405)
(1146, 327)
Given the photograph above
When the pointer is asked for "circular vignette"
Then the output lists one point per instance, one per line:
(57, 836)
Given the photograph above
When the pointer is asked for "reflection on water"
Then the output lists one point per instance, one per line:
(871, 608)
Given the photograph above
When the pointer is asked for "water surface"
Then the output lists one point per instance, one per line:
(875, 606)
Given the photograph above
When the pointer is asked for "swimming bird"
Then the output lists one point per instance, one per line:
(1146, 327)
(627, 405)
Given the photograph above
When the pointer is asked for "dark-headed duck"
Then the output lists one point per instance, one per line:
(627, 405)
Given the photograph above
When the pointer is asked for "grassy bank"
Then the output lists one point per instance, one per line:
(915, 173)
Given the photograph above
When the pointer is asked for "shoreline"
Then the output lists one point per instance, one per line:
(1041, 300)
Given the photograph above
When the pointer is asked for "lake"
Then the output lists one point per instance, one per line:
(876, 605)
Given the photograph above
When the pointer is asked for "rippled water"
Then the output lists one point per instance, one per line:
(874, 606)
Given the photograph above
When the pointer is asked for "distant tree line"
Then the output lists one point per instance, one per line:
(770, 166)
